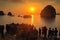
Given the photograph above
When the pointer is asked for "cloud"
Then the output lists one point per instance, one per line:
(56, 1)
(13, 0)
(17, 0)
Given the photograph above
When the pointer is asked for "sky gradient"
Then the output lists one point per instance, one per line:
(22, 6)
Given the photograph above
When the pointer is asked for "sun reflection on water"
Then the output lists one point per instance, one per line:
(32, 19)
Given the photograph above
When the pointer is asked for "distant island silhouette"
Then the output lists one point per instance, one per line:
(27, 16)
(57, 13)
(48, 12)
(1, 13)
(9, 14)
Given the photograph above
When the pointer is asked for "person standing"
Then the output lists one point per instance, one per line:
(55, 34)
(39, 32)
(59, 33)
(44, 31)
(49, 33)
(2, 30)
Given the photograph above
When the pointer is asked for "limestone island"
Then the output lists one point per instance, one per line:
(27, 16)
(9, 14)
(48, 12)
(1, 13)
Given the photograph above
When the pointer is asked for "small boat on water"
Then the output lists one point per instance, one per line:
(27, 16)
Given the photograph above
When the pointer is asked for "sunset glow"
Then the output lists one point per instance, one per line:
(32, 9)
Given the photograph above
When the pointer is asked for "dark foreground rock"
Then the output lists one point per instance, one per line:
(26, 32)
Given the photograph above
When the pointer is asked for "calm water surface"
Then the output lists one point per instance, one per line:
(36, 20)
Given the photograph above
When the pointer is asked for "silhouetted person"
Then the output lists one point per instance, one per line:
(35, 34)
(44, 31)
(59, 33)
(49, 33)
(39, 32)
(55, 34)
(2, 30)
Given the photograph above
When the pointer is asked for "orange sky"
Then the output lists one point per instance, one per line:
(23, 8)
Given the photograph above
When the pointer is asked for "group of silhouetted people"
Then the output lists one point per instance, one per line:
(28, 31)
(50, 33)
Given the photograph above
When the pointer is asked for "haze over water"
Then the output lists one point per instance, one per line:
(37, 23)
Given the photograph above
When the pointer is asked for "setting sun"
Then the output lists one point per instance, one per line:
(32, 9)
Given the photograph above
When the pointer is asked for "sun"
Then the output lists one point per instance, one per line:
(32, 9)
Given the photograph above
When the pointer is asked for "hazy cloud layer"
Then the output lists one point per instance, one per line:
(7, 2)
(18, 3)
(57, 1)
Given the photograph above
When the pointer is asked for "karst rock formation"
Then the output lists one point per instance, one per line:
(48, 12)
